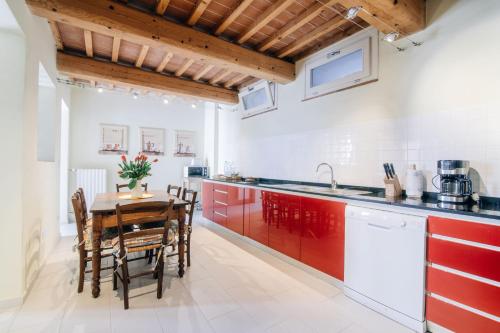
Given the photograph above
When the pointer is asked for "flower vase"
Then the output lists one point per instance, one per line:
(136, 192)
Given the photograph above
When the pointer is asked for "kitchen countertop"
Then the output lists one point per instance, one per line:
(488, 207)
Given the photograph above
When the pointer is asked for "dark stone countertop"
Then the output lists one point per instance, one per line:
(488, 207)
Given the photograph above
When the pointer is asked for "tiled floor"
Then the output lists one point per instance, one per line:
(230, 287)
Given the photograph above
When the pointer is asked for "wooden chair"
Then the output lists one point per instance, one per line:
(142, 240)
(176, 189)
(84, 231)
(190, 196)
(120, 186)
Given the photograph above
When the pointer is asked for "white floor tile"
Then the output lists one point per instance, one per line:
(231, 286)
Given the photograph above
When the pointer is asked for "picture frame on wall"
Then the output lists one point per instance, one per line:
(113, 139)
(152, 140)
(185, 143)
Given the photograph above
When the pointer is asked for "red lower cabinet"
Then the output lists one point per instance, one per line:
(322, 235)
(256, 202)
(283, 216)
(235, 208)
(207, 200)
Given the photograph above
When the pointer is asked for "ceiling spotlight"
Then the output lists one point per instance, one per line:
(352, 12)
(135, 95)
(100, 90)
(165, 101)
(193, 106)
(391, 36)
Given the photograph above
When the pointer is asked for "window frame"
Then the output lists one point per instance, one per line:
(270, 88)
(367, 41)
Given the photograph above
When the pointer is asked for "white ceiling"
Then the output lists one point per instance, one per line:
(7, 19)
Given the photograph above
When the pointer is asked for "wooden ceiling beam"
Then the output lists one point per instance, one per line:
(116, 48)
(164, 62)
(296, 23)
(242, 5)
(111, 18)
(219, 76)
(184, 67)
(57, 35)
(142, 56)
(126, 76)
(202, 72)
(234, 80)
(199, 9)
(161, 6)
(89, 49)
(323, 29)
(268, 15)
(404, 16)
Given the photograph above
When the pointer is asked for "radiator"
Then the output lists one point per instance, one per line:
(92, 181)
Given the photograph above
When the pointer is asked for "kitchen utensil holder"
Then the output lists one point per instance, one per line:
(392, 187)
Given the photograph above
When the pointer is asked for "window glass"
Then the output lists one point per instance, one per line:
(255, 98)
(338, 68)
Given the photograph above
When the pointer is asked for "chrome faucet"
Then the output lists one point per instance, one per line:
(333, 182)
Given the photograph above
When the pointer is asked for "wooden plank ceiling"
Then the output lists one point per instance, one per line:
(217, 46)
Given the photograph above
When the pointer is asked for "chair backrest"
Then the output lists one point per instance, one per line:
(80, 218)
(120, 186)
(176, 189)
(84, 203)
(190, 196)
(143, 213)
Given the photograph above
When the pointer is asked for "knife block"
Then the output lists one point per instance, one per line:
(392, 188)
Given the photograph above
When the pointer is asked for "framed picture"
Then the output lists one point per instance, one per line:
(113, 139)
(152, 140)
(185, 143)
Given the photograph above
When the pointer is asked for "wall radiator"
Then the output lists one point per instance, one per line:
(92, 181)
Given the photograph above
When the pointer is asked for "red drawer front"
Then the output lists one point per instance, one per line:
(220, 187)
(220, 196)
(221, 206)
(457, 319)
(478, 295)
(465, 258)
(471, 231)
(220, 217)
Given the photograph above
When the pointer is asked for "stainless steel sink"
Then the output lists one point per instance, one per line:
(319, 189)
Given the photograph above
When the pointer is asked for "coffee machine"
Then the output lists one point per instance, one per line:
(455, 186)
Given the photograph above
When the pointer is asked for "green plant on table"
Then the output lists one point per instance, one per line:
(135, 170)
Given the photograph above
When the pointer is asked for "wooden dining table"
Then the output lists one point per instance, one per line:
(103, 211)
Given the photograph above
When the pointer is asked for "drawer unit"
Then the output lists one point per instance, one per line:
(463, 275)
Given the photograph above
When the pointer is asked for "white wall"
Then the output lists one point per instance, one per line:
(90, 108)
(34, 203)
(437, 101)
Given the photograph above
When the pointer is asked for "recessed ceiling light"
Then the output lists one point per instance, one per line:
(100, 90)
(352, 12)
(135, 95)
(391, 36)
(165, 101)
(193, 106)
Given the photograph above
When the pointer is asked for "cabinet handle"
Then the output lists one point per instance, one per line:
(220, 214)
(379, 226)
(222, 203)
(220, 191)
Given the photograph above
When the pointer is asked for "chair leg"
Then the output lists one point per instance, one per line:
(188, 252)
(150, 260)
(155, 272)
(125, 283)
(81, 275)
(115, 278)
(146, 254)
(159, 272)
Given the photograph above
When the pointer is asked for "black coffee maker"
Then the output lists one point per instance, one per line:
(455, 186)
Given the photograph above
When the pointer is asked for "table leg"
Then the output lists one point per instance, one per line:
(96, 254)
(182, 225)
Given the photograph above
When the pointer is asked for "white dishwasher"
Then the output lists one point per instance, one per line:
(385, 263)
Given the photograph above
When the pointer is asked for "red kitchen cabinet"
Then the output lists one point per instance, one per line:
(256, 202)
(322, 235)
(220, 204)
(283, 216)
(235, 208)
(207, 200)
